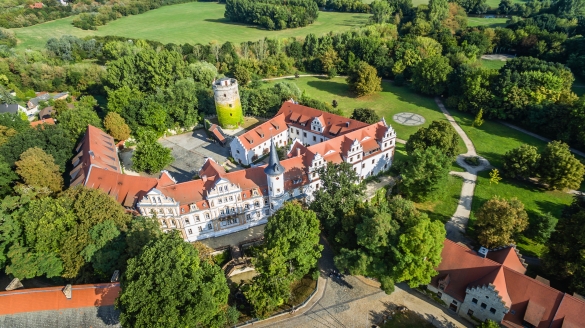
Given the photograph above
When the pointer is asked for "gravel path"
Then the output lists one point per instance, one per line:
(458, 223)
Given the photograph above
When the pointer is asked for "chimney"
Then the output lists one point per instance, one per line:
(67, 291)
(115, 276)
(204, 178)
(482, 252)
(347, 124)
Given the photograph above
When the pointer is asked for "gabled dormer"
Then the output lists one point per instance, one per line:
(356, 148)
(317, 124)
(388, 139)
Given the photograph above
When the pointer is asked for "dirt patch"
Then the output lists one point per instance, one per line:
(502, 57)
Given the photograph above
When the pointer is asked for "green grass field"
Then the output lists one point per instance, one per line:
(390, 101)
(492, 64)
(194, 22)
(492, 140)
(491, 22)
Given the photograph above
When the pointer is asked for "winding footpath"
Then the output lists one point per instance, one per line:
(458, 223)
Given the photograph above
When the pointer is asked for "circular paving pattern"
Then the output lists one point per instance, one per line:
(410, 119)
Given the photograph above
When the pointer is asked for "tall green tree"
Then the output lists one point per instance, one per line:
(363, 80)
(418, 252)
(295, 232)
(425, 173)
(438, 12)
(150, 155)
(498, 220)
(566, 246)
(38, 172)
(167, 285)
(521, 162)
(558, 168)
(542, 226)
(338, 194)
(75, 121)
(381, 11)
(430, 75)
(116, 126)
(365, 115)
(439, 134)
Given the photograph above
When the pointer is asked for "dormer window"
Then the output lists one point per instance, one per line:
(204, 205)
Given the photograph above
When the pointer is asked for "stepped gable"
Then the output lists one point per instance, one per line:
(570, 314)
(263, 132)
(463, 266)
(510, 257)
(301, 117)
(96, 149)
(495, 278)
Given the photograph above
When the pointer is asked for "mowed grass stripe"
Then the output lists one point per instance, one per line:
(195, 22)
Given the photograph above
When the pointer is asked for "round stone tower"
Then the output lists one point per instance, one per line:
(227, 103)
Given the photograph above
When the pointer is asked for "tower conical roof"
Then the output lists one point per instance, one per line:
(274, 167)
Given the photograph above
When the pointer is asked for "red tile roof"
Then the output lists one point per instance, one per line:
(509, 257)
(49, 121)
(126, 189)
(96, 149)
(570, 314)
(527, 298)
(215, 130)
(262, 133)
(52, 298)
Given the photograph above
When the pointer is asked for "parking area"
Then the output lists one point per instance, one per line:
(190, 150)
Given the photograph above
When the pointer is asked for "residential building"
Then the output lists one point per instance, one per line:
(33, 103)
(491, 284)
(221, 202)
(48, 121)
(11, 108)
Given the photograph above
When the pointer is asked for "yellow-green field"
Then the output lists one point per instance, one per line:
(194, 22)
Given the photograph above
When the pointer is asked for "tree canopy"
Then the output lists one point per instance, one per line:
(167, 285)
(558, 168)
(439, 134)
(116, 126)
(365, 115)
(150, 155)
(498, 220)
(363, 80)
(39, 172)
(424, 173)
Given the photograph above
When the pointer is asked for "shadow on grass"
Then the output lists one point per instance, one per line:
(332, 86)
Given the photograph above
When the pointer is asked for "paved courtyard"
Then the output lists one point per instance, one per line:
(190, 150)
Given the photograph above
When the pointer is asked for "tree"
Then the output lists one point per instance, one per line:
(505, 6)
(439, 134)
(498, 220)
(564, 258)
(7, 176)
(203, 72)
(338, 193)
(495, 176)
(521, 162)
(478, 120)
(430, 75)
(558, 168)
(6, 133)
(39, 172)
(116, 126)
(167, 285)
(75, 121)
(425, 173)
(381, 11)
(242, 74)
(365, 115)
(363, 80)
(295, 232)
(60, 106)
(419, 252)
(570, 8)
(438, 12)
(542, 226)
(489, 324)
(150, 155)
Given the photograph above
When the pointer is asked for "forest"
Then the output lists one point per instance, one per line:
(272, 14)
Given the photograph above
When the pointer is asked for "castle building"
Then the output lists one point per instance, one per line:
(227, 103)
(491, 284)
(221, 202)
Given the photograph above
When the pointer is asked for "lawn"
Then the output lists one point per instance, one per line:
(535, 200)
(444, 205)
(194, 22)
(390, 101)
(492, 140)
(490, 22)
(492, 64)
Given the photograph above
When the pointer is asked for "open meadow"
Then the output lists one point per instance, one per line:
(194, 22)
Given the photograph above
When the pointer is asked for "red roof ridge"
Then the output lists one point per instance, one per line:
(471, 250)
(531, 279)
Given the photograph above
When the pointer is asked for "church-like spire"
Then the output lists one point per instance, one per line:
(274, 167)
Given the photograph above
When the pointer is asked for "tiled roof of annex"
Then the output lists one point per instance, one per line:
(291, 114)
(527, 298)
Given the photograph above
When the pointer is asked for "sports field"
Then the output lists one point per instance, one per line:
(194, 22)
